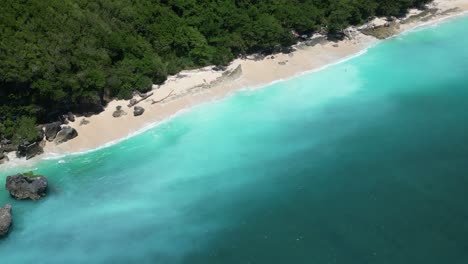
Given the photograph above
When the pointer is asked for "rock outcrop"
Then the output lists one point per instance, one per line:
(26, 187)
(3, 157)
(71, 117)
(118, 112)
(40, 134)
(51, 130)
(5, 220)
(219, 68)
(65, 134)
(9, 147)
(29, 150)
(138, 111)
(132, 102)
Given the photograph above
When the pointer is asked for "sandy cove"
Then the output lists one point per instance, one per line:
(191, 88)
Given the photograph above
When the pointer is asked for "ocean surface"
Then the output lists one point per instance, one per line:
(363, 162)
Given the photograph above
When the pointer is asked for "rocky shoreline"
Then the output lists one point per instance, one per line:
(56, 132)
(382, 28)
(26, 186)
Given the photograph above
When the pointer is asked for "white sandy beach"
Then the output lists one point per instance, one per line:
(187, 91)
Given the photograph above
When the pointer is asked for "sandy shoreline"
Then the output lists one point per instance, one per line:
(191, 88)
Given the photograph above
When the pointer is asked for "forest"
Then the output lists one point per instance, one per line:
(74, 55)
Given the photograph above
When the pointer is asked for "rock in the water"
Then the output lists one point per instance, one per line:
(138, 110)
(71, 117)
(5, 220)
(51, 130)
(118, 112)
(27, 150)
(65, 134)
(26, 187)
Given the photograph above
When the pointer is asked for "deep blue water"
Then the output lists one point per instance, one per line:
(363, 162)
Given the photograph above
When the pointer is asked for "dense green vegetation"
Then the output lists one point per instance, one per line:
(58, 55)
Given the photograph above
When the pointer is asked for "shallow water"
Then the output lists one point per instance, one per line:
(363, 162)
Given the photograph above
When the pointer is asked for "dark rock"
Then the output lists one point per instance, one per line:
(287, 50)
(71, 117)
(5, 220)
(219, 68)
(382, 32)
(10, 147)
(29, 150)
(132, 102)
(138, 111)
(5, 142)
(336, 36)
(40, 134)
(51, 130)
(63, 119)
(118, 112)
(26, 187)
(138, 93)
(84, 122)
(65, 134)
(88, 107)
(3, 158)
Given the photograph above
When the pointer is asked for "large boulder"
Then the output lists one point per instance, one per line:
(5, 220)
(51, 130)
(7, 146)
(26, 186)
(65, 134)
(63, 119)
(132, 102)
(40, 134)
(118, 112)
(29, 150)
(138, 111)
(10, 147)
(71, 117)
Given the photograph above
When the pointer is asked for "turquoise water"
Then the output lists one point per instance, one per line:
(363, 162)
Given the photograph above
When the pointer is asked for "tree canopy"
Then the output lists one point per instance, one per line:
(58, 54)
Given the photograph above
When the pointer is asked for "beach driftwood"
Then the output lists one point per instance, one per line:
(133, 102)
(158, 101)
